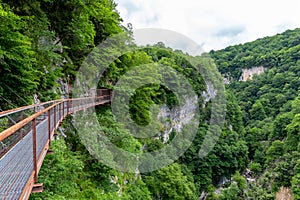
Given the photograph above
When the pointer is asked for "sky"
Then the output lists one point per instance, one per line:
(213, 24)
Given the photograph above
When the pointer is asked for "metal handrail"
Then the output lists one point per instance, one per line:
(6, 133)
(9, 112)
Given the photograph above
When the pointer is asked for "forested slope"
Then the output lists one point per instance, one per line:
(44, 41)
(270, 106)
(274, 51)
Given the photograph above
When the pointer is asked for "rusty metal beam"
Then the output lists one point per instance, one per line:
(37, 188)
(28, 187)
(7, 112)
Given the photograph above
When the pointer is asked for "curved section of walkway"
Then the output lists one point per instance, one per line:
(25, 142)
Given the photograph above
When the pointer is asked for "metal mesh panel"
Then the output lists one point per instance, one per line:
(57, 114)
(66, 107)
(52, 123)
(8, 142)
(16, 167)
(41, 136)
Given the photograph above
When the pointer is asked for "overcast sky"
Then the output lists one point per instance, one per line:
(214, 24)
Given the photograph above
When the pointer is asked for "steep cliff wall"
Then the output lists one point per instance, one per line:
(175, 118)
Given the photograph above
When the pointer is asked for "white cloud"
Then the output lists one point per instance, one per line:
(170, 39)
(204, 21)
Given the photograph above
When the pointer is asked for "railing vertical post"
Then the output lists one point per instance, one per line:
(63, 108)
(49, 126)
(22, 115)
(59, 112)
(54, 122)
(34, 149)
(68, 107)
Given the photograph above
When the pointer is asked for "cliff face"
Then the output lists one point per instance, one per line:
(175, 118)
(248, 73)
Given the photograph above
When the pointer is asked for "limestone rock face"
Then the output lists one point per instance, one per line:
(175, 118)
(248, 73)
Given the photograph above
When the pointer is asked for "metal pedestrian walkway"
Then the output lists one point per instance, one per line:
(26, 137)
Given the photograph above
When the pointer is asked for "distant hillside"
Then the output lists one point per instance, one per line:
(275, 51)
(270, 103)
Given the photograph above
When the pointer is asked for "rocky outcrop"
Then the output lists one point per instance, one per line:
(248, 73)
(284, 194)
(63, 88)
(209, 93)
(175, 118)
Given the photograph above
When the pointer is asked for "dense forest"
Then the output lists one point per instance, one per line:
(256, 155)
(270, 108)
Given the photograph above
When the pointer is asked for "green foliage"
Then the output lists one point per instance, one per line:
(236, 188)
(255, 167)
(269, 105)
(281, 49)
(230, 193)
(170, 183)
(44, 41)
(293, 130)
(234, 116)
(296, 186)
(138, 191)
(3, 124)
(68, 167)
(280, 123)
(257, 111)
(240, 180)
(17, 74)
(82, 24)
(275, 150)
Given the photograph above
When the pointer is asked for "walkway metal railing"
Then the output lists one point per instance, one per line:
(26, 137)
